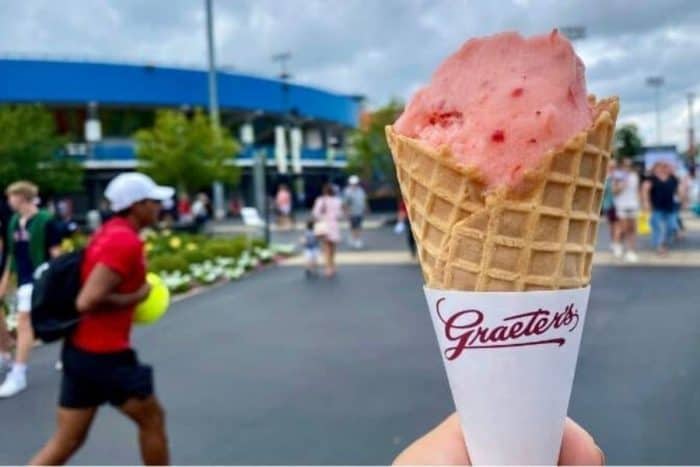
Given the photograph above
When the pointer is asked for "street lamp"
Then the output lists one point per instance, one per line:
(217, 187)
(691, 127)
(656, 82)
(211, 56)
(283, 58)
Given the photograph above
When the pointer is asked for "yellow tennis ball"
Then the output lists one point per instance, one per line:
(156, 304)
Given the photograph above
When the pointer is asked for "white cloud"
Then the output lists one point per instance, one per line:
(382, 49)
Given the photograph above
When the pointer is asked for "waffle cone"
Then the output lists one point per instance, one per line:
(539, 235)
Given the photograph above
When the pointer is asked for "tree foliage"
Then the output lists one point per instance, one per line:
(368, 153)
(30, 149)
(188, 153)
(628, 143)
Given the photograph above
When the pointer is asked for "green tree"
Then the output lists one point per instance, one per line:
(188, 153)
(628, 143)
(30, 149)
(368, 152)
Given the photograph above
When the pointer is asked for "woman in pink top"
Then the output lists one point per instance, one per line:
(327, 212)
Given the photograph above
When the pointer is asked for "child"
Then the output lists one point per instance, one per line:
(311, 248)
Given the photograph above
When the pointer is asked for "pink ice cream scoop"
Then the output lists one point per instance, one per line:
(501, 102)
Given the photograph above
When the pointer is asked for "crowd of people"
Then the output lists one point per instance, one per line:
(634, 202)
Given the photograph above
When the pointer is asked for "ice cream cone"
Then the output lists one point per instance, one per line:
(540, 235)
(510, 357)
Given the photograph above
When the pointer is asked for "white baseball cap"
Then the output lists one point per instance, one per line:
(353, 180)
(128, 189)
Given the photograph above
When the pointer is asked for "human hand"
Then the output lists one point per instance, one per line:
(143, 291)
(444, 445)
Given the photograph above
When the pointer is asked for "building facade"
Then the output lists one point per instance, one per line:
(99, 106)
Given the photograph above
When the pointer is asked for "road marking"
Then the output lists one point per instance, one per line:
(687, 258)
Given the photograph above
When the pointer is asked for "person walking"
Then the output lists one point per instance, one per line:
(99, 365)
(403, 219)
(200, 212)
(327, 212)
(626, 202)
(283, 205)
(659, 193)
(33, 238)
(184, 209)
(355, 201)
(609, 202)
(681, 200)
(311, 245)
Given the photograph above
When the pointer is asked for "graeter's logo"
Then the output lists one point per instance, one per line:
(467, 331)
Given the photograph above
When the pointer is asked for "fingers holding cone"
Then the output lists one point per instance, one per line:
(445, 445)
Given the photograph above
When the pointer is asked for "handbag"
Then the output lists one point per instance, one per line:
(643, 227)
(321, 226)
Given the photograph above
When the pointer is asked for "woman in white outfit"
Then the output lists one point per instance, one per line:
(626, 200)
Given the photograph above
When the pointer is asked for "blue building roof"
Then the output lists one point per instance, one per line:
(61, 82)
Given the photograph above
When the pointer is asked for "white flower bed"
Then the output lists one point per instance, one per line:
(210, 272)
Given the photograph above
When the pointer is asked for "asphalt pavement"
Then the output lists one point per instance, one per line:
(278, 369)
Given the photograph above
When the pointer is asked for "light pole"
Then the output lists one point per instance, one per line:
(211, 55)
(217, 187)
(656, 82)
(691, 127)
(247, 137)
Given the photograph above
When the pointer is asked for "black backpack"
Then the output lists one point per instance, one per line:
(56, 288)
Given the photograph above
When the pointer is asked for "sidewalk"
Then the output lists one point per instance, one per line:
(371, 222)
(236, 226)
(686, 258)
(385, 248)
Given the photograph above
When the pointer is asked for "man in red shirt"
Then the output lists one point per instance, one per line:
(99, 365)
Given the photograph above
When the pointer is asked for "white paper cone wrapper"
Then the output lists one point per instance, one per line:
(510, 359)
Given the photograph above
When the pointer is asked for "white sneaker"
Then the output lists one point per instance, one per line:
(617, 250)
(631, 257)
(13, 385)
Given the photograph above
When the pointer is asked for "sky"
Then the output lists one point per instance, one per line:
(382, 49)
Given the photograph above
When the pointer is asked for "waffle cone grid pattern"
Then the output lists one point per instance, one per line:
(540, 237)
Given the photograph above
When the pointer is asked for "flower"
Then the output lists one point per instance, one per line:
(148, 247)
(175, 243)
(192, 247)
(234, 273)
(283, 249)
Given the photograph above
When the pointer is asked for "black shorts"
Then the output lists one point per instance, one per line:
(91, 379)
(611, 214)
(355, 222)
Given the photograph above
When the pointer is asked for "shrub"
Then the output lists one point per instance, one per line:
(259, 243)
(168, 263)
(225, 248)
(199, 255)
